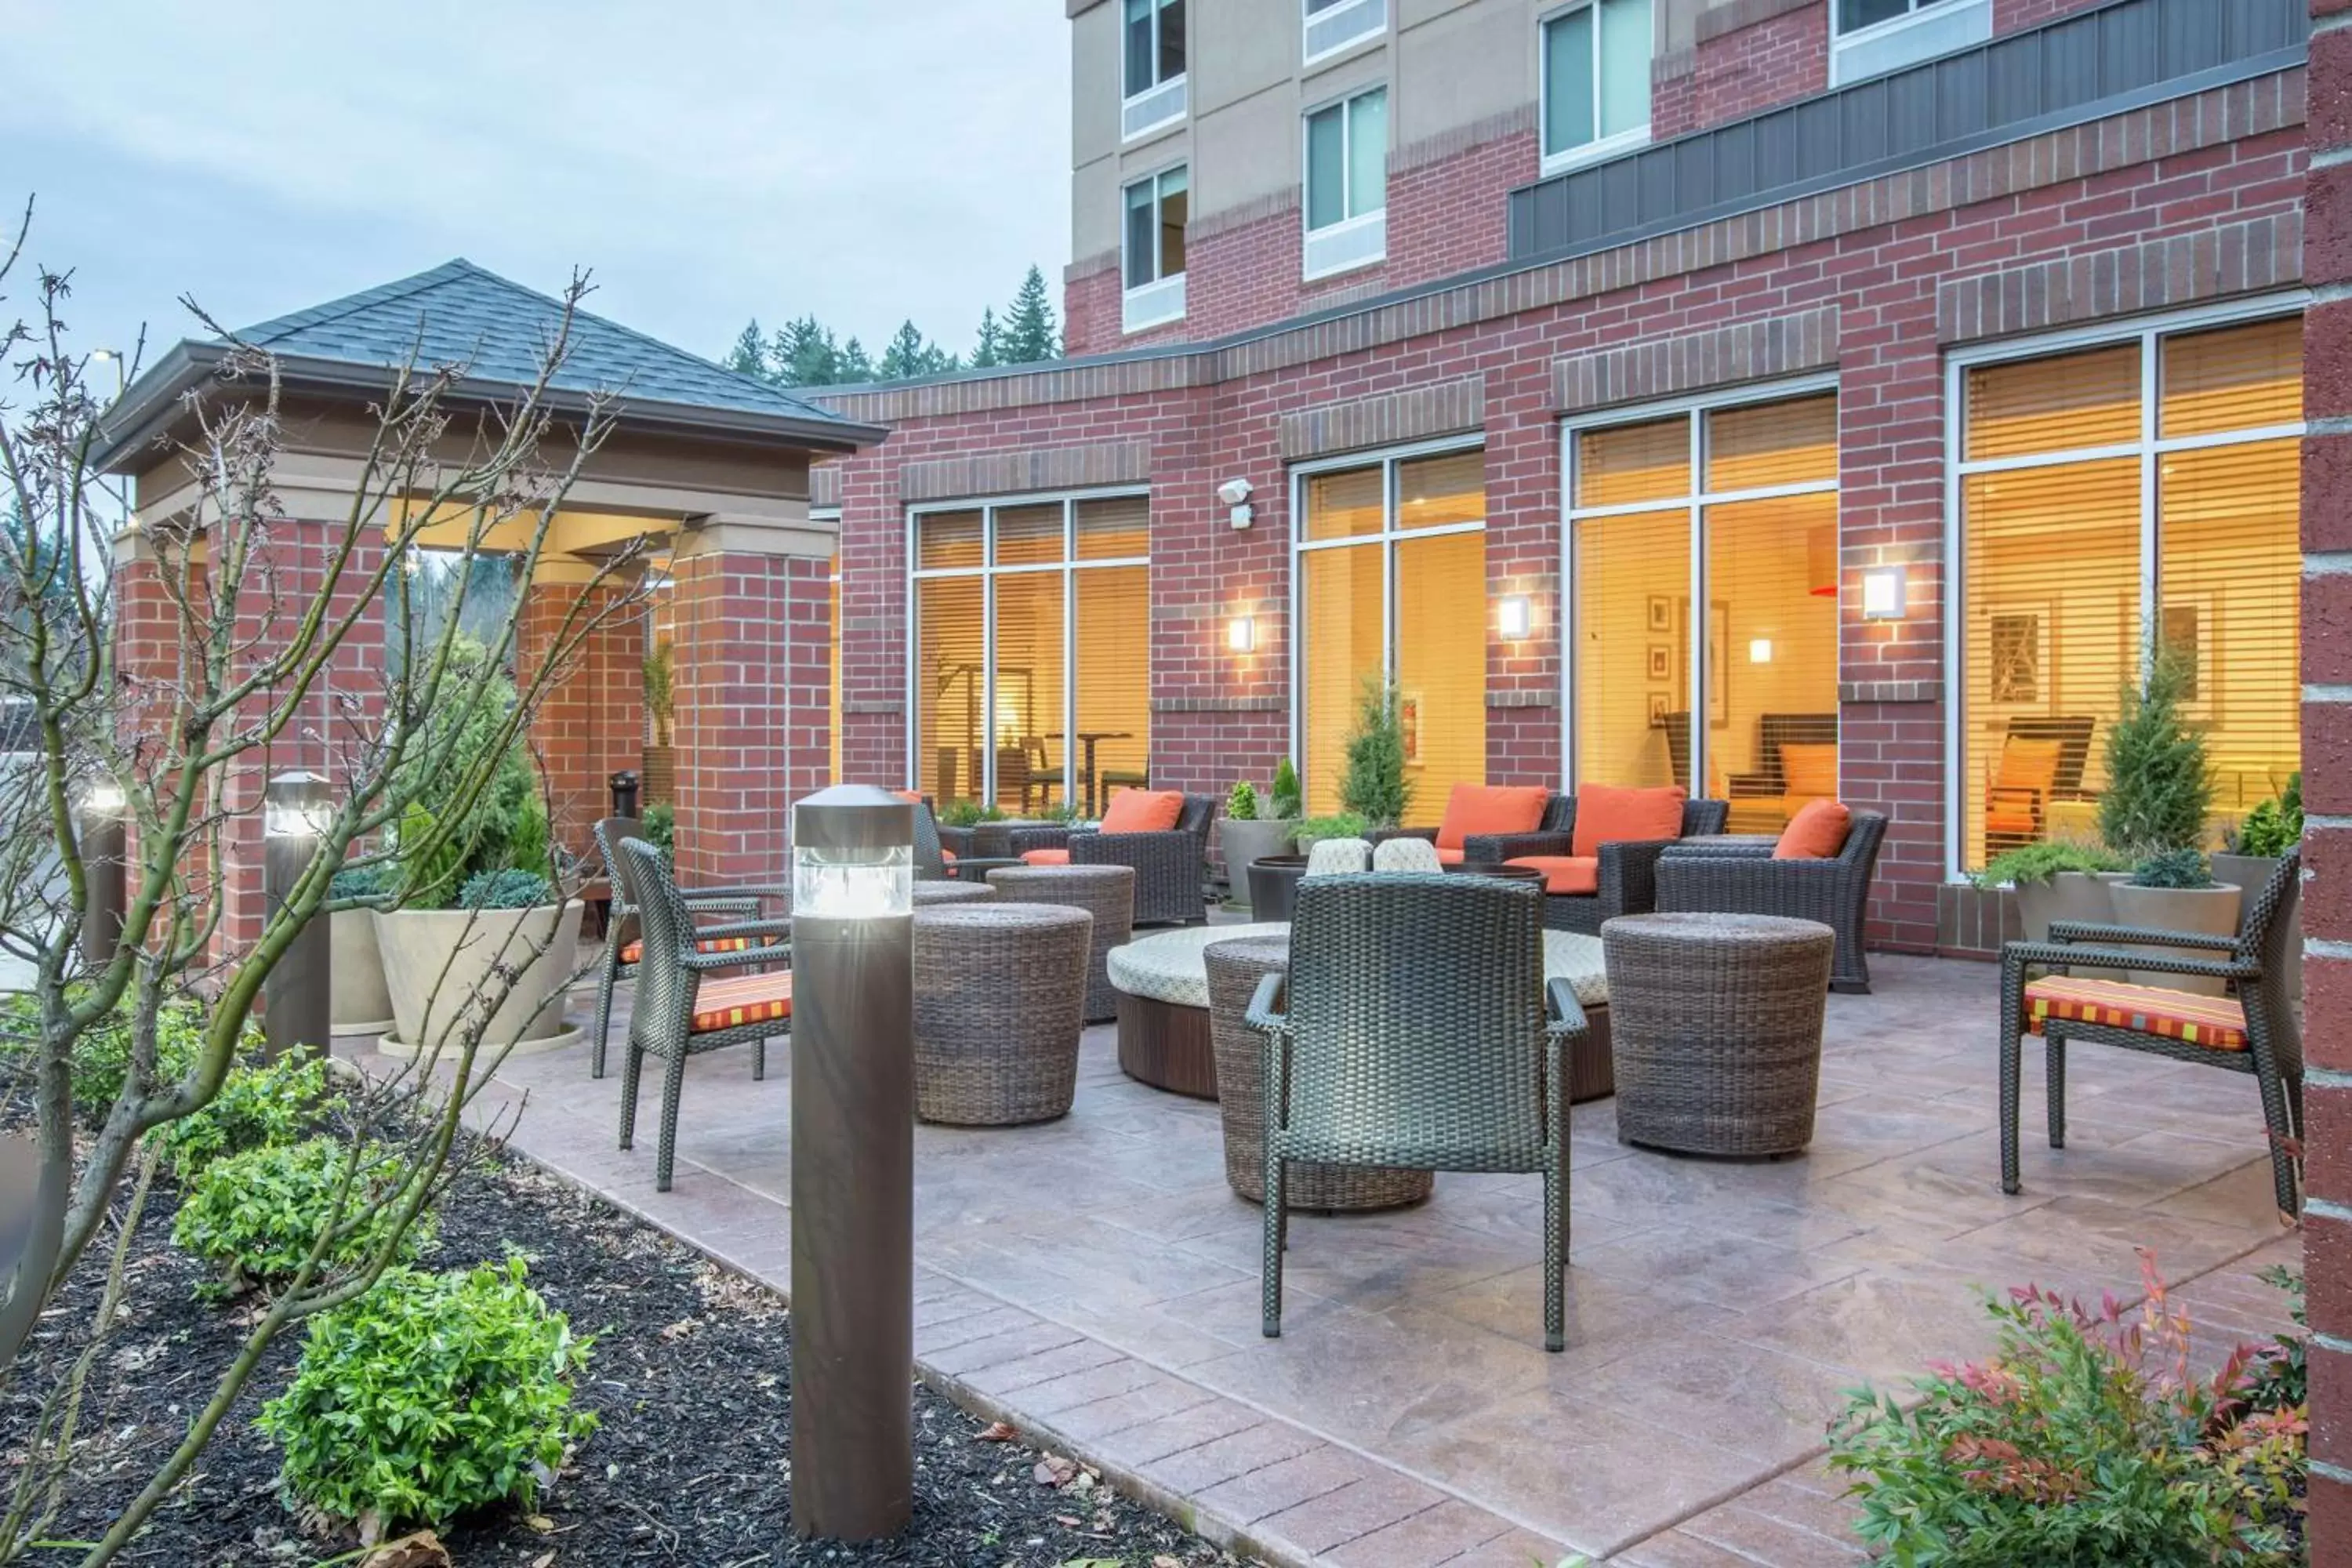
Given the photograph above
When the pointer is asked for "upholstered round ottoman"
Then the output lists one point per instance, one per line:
(928, 894)
(1105, 892)
(1234, 969)
(998, 993)
(1163, 1006)
(1718, 1027)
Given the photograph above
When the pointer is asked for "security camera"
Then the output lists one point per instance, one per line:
(1232, 492)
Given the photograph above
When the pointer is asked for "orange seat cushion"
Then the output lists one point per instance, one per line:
(1606, 814)
(2029, 765)
(742, 999)
(1473, 809)
(947, 855)
(1565, 873)
(1449, 856)
(2218, 1022)
(634, 951)
(1809, 769)
(1044, 856)
(1816, 833)
(1143, 811)
(2012, 822)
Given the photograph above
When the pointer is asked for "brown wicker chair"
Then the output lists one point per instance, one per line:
(1627, 873)
(1170, 867)
(2258, 1031)
(1739, 877)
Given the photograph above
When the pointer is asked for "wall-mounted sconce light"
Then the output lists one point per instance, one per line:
(1760, 650)
(1241, 634)
(1885, 594)
(1516, 614)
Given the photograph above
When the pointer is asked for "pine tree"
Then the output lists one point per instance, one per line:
(2157, 793)
(1029, 333)
(803, 354)
(750, 355)
(908, 354)
(990, 350)
(1373, 785)
(854, 365)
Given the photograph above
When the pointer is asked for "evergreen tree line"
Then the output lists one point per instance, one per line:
(805, 352)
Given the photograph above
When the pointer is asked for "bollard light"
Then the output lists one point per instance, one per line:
(296, 809)
(625, 787)
(853, 1116)
(105, 848)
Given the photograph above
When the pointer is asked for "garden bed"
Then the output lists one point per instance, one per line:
(690, 1378)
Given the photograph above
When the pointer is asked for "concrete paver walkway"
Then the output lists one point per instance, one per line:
(1094, 1280)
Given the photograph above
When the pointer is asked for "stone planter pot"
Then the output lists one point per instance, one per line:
(2211, 911)
(1274, 885)
(1243, 844)
(2079, 896)
(453, 951)
(2252, 873)
(357, 1002)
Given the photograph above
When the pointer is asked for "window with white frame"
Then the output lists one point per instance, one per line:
(1596, 78)
(1336, 25)
(1156, 212)
(1875, 36)
(1153, 71)
(1347, 184)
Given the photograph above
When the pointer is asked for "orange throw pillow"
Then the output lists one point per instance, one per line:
(1606, 814)
(1473, 809)
(1044, 856)
(1143, 811)
(1816, 833)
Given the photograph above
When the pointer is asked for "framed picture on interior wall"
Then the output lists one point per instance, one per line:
(2191, 630)
(1719, 664)
(1657, 710)
(2017, 657)
(1409, 724)
(1661, 612)
(1662, 662)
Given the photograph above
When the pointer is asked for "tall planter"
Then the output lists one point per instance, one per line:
(2077, 896)
(357, 1002)
(1243, 844)
(2252, 873)
(434, 960)
(2210, 911)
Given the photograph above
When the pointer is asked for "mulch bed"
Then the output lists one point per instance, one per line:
(691, 1379)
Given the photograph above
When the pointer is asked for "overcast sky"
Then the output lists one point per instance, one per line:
(711, 160)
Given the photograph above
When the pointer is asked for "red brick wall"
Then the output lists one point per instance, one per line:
(2008, 16)
(590, 719)
(1737, 73)
(2327, 787)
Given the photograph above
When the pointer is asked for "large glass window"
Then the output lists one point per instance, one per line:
(1334, 24)
(1156, 209)
(1155, 44)
(483, 594)
(1737, 701)
(2110, 497)
(1596, 77)
(1032, 686)
(1392, 576)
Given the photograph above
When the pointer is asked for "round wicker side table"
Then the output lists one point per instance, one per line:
(928, 894)
(1234, 969)
(1105, 892)
(998, 989)
(1716, 1024)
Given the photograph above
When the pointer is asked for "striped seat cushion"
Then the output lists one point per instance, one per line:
(634, 951)
(2218, 1022)
(742, 999)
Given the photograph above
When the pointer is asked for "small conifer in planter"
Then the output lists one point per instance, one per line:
(2158, 792)
(1373, 785)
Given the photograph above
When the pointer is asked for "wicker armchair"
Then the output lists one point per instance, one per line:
(2253, 1031)
(935, 859)
(1739, 877)
(1170, 867)
(1417, 1037)
(678, 1013)
(621, 944)
(1628, 871)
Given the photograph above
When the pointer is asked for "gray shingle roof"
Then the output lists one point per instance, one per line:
(459, 314)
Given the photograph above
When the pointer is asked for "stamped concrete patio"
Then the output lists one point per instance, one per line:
(1094, 1280)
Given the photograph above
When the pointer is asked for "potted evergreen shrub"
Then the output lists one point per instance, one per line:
(2157, 798)
(1373, 785)
(1247, 833)
(2251, 852)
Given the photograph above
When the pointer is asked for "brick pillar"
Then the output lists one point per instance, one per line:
(752, 690)
(2328, 783)
(591, 720)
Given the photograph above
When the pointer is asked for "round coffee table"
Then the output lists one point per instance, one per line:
(1717, 1021)
(998, 992)
(928, 894)
(1105, 892)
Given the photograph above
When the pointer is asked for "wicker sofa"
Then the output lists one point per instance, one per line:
(1738, 876)
(1171, 867)
(1627, 871)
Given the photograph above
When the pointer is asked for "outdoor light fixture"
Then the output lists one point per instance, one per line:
(103, 798)
(1517, 615)
(105, 848)
(296, 809)
(861, 882)
(1760, 650)
(1885, 593)
(294, 806)
(1235, 494)
(1241, 634)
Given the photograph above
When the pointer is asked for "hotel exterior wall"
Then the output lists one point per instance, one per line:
(2198, 198)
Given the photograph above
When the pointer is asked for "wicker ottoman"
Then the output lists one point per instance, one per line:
(1716, 1022)
(998, 989)
(1234, 969)
(1105, 892)
(1163, 1006)
(928, 894)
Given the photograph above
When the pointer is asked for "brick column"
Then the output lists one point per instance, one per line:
(2328, 781)
(591, 720)
(752, 690)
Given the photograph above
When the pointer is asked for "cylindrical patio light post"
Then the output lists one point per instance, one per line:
(105, 843)
(853, 1163)
(294, 812)
(625, 787)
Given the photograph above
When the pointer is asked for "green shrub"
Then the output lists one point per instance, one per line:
(259, 1106)
(1289, 805)
(2173, 868)
(2157, 792)
(965, 813)
(507, 890)
(2282, 1378)
(429, 1395)
(2274, 826)
(255, 1216)
(1373, 783)
(1241, 802)
(1343, 824)
(660, 823)
(2040, 862)
(2080, 1444)
(101, 1058)
(379, 880)
(506, 824)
